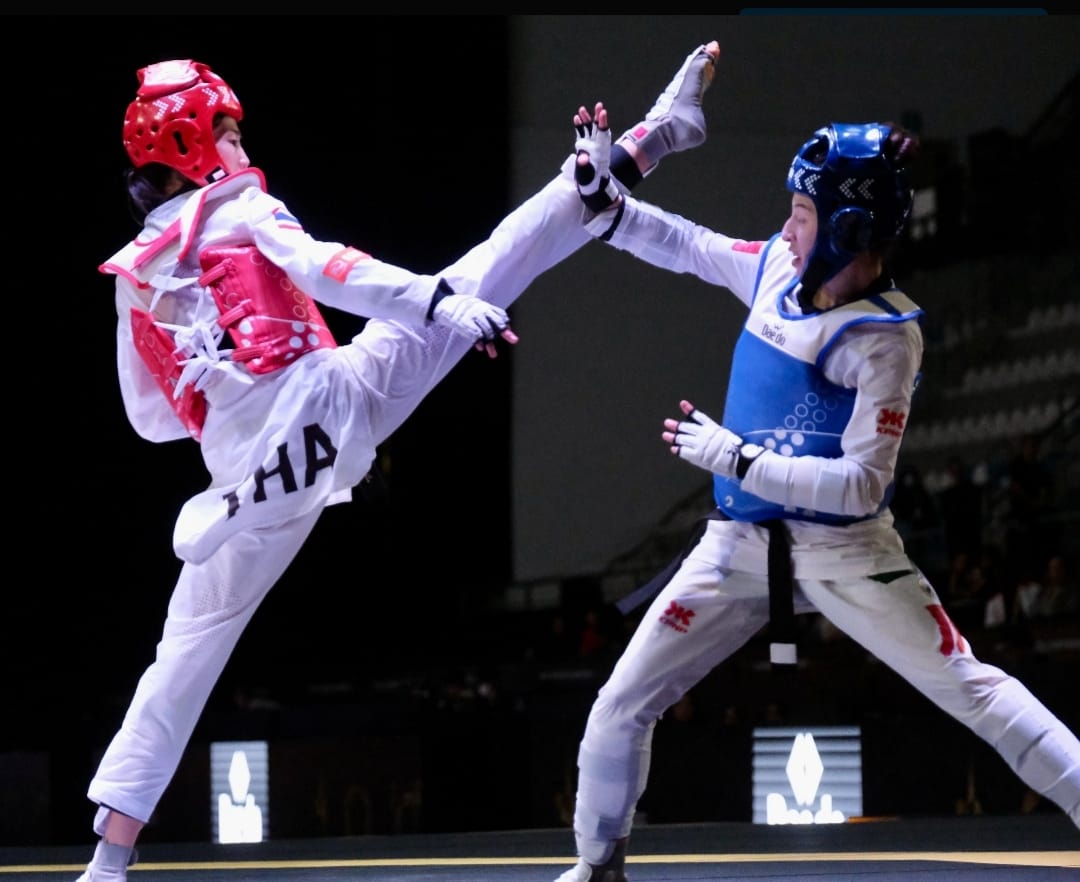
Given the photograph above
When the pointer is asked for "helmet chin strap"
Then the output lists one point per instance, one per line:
(806, 298)
(816, 274)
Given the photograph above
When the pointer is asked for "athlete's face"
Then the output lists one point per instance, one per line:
(229, 148)
(800, 231)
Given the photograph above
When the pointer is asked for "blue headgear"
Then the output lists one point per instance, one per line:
(862, 196)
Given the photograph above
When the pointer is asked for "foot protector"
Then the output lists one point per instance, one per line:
(676, 121)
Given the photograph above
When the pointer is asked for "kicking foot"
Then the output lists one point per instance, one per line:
(676, 121)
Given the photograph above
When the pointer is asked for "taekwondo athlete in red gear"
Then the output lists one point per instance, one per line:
(220, 339)
(820, 386)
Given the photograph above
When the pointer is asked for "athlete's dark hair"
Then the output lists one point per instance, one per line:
(147, 188)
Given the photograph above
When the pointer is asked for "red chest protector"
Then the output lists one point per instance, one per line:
(271, 321)
(158, 352)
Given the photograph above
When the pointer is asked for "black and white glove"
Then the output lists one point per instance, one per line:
(593, 179)
(703, 442)
(477, 319)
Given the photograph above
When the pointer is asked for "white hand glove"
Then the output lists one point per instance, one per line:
(593, 179)
(471, 316)
(705, 443)
(477, 319)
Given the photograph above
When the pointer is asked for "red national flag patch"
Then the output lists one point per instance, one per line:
(748, 247)
(285, 220)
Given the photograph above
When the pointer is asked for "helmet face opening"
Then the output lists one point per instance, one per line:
(171, 120)
(863, 199)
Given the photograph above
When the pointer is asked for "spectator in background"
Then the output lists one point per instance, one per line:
(555, 644)
(912, 505)
(915, 516)
(980, 592)
(593, 641)
(961, 506)
(1028, 488)
(1055, 595)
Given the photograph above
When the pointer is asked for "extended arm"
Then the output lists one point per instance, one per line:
(883, 368)
(661, 238)
(353, 281)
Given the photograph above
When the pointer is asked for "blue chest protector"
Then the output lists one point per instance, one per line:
(778, 395)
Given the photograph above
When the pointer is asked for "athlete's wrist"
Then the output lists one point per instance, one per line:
(748, 454)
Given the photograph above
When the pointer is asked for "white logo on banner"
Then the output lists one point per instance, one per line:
(239, 818)
(804, 770)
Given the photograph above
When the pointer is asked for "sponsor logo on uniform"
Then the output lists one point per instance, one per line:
(677, 617)
(891, 422)
(775, 333)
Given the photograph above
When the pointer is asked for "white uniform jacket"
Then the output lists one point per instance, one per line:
(277, 444)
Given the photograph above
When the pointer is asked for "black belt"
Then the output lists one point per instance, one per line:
(781, 595)
(781, 585)
(656, 584)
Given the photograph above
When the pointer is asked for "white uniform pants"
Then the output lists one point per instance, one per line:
(213, 601)
(706, 613)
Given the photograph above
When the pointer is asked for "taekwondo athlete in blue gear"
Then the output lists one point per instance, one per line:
(821, 384)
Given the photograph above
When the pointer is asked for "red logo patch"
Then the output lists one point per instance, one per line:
(747, 247)
(339, 265)
(677, 617)
(891, 422)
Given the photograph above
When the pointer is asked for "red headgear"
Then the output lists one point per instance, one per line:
(171, 120)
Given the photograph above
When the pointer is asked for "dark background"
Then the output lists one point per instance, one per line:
(390, 133)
